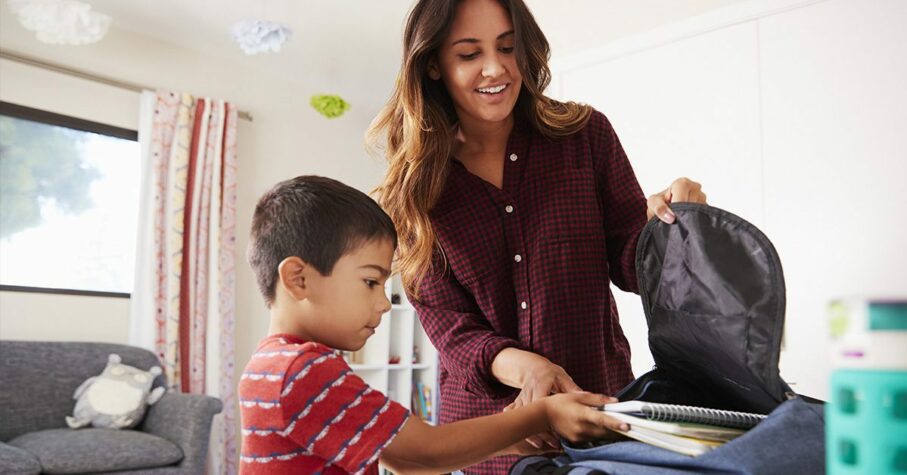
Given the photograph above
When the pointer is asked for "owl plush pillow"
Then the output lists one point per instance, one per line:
(115, 399)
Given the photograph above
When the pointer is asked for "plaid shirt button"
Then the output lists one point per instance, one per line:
(518, 258)
(524, 305)
(513, 157)
(509, 209)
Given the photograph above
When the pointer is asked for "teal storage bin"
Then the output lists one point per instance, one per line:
(866, 422)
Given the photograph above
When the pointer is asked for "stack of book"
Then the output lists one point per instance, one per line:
(421, 402)
(687, 430)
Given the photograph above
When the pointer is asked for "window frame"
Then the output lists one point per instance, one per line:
(17, 111)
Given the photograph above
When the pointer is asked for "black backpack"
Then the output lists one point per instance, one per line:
(712, 289)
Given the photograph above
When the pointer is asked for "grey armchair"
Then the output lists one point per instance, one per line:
(37, 381)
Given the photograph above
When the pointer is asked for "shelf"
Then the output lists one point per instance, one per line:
(369, 367)
(401, 338)
(392, 367)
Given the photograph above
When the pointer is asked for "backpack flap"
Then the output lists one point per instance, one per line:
(713, 292)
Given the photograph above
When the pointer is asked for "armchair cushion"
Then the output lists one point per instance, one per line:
(97, 450)
(39, 378)
(18, 461)
(37, 382)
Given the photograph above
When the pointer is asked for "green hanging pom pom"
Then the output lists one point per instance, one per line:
(330, 106)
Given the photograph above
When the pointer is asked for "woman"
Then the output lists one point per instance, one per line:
(513, 210)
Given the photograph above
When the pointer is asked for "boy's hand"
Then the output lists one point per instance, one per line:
(543, 443)
(575, 416)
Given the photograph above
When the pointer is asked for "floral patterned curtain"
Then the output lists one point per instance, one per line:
(184, 301)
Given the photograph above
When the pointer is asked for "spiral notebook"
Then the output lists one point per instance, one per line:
(675, 443)
(677, 413)
(683, 429)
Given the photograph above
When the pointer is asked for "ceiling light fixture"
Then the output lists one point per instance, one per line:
(259, 36)
(61, 22)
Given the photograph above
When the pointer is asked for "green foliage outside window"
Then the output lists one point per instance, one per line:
(40, 162)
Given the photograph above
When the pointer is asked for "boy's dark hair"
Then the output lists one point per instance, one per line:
(316, 219)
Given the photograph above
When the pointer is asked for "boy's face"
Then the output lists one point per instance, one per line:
(346, 307)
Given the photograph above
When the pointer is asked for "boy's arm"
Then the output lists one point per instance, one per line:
(422, 448)
(523, 447)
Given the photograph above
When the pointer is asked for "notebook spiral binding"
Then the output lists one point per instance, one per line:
(702, 415)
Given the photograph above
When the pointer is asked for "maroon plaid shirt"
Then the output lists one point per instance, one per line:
(528, 266)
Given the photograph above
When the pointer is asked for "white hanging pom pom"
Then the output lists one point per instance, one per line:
(64, 22)
(259, 36)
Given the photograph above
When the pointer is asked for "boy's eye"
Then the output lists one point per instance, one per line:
(507, 49)
(371, 283)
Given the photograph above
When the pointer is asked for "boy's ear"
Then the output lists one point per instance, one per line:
(434, 72)
(291, 273)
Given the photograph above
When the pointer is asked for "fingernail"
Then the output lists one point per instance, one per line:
(668, 217)
(624, 427)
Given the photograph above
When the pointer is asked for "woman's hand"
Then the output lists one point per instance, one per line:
(537, 378)
(544, 378)
(681, 190)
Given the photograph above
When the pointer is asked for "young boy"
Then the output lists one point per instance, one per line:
(321, 252)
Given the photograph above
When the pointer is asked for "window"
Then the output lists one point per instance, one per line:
(69, 201)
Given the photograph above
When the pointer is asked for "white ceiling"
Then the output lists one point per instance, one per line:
(352, 38)
(347, 47)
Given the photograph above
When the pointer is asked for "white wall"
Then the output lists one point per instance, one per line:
(792, 115)
(576, 25)
(834, 121)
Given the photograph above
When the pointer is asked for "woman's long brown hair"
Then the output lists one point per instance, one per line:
(416, 127)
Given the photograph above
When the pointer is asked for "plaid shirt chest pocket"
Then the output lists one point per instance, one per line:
(569, 246)
(564, 207)
(472, 237)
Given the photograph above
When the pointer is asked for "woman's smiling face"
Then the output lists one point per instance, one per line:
(477, 62)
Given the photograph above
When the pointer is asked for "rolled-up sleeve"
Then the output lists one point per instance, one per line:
(466, 342)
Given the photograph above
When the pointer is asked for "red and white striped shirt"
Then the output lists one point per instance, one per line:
(304, 411)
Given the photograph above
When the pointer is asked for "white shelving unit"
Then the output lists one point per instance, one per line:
(399, 356)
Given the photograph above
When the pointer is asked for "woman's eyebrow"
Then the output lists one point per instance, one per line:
(474, 40)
